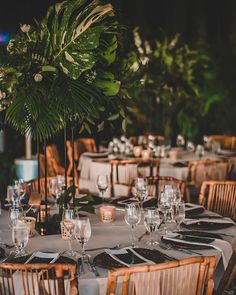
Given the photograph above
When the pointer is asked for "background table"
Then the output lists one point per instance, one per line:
(91, 166)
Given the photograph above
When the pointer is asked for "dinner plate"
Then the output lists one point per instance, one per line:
(207, 225)
(193, 211)
(104, 260)
(2, 253)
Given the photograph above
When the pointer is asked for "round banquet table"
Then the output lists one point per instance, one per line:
(108, 235)
(93, 164)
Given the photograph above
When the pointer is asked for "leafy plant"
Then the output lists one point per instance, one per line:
(58, 70)
(171, 84)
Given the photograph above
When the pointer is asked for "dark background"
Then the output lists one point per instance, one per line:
(209, 24)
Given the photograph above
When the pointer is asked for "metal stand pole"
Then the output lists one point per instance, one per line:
(38, 155)
(45, 184)
(65, 156)
(73, 163)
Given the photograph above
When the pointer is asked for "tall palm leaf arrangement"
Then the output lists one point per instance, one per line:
(58, 70)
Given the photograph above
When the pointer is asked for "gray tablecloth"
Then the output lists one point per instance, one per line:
(107, 235)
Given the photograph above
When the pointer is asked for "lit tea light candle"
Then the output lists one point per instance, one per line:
(42, 212)
(146, 154)
(137, 150)
(107, 213)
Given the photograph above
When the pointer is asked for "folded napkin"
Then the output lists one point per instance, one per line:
(220, 245)
(96, 155)
(122, 255)
(189, 221)
(189, 207)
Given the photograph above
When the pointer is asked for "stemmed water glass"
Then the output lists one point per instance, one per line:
(141, 190)
(53, 188)
(152, 222)
(179, 214)
(102, 185)
(10, 194)
(68, 217)
(57, 186)
(82, 233)
(20, 237)
(164, 206)
(132, 218)
(19, 191)
(15, 214)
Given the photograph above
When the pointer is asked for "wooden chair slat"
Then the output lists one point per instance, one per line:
(167, 276)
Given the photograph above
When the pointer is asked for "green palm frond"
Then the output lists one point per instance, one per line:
(62, 69)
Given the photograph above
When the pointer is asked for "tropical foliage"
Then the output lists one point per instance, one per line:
(58, 70)
(171, 84)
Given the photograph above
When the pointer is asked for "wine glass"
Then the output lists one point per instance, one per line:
(141, 190)
(132, 218)
(164, 206)
(19, 191)
(15, 214)
(53, 188)
(10, 194)
(61, 183)
(20, 237)
(102, 185)
(180, 214)
(152, 222)
(68, 217)
(82, 233)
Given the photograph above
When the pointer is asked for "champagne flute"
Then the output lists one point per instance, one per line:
(102, 185)
(132, 218)
(10, 194)
(82, 232)
(180, 214)
(68, 217)
(20, 237)
(152, 222)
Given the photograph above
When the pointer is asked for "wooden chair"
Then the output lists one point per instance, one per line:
(188, 276)
(131, 169)
(54, 162)
(219, 197)
(83, 145)
(70, 160)
(231, 175)
(156, 184)
(38, 278)
(201, 170)
(225, 141)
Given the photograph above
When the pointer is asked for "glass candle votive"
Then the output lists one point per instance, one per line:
(42, 212)
(107, 213)
(137, 150)
(146, 154)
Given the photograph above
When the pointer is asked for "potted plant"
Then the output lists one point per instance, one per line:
(57, 72)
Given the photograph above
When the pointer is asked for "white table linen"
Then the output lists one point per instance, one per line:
(108, 235)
